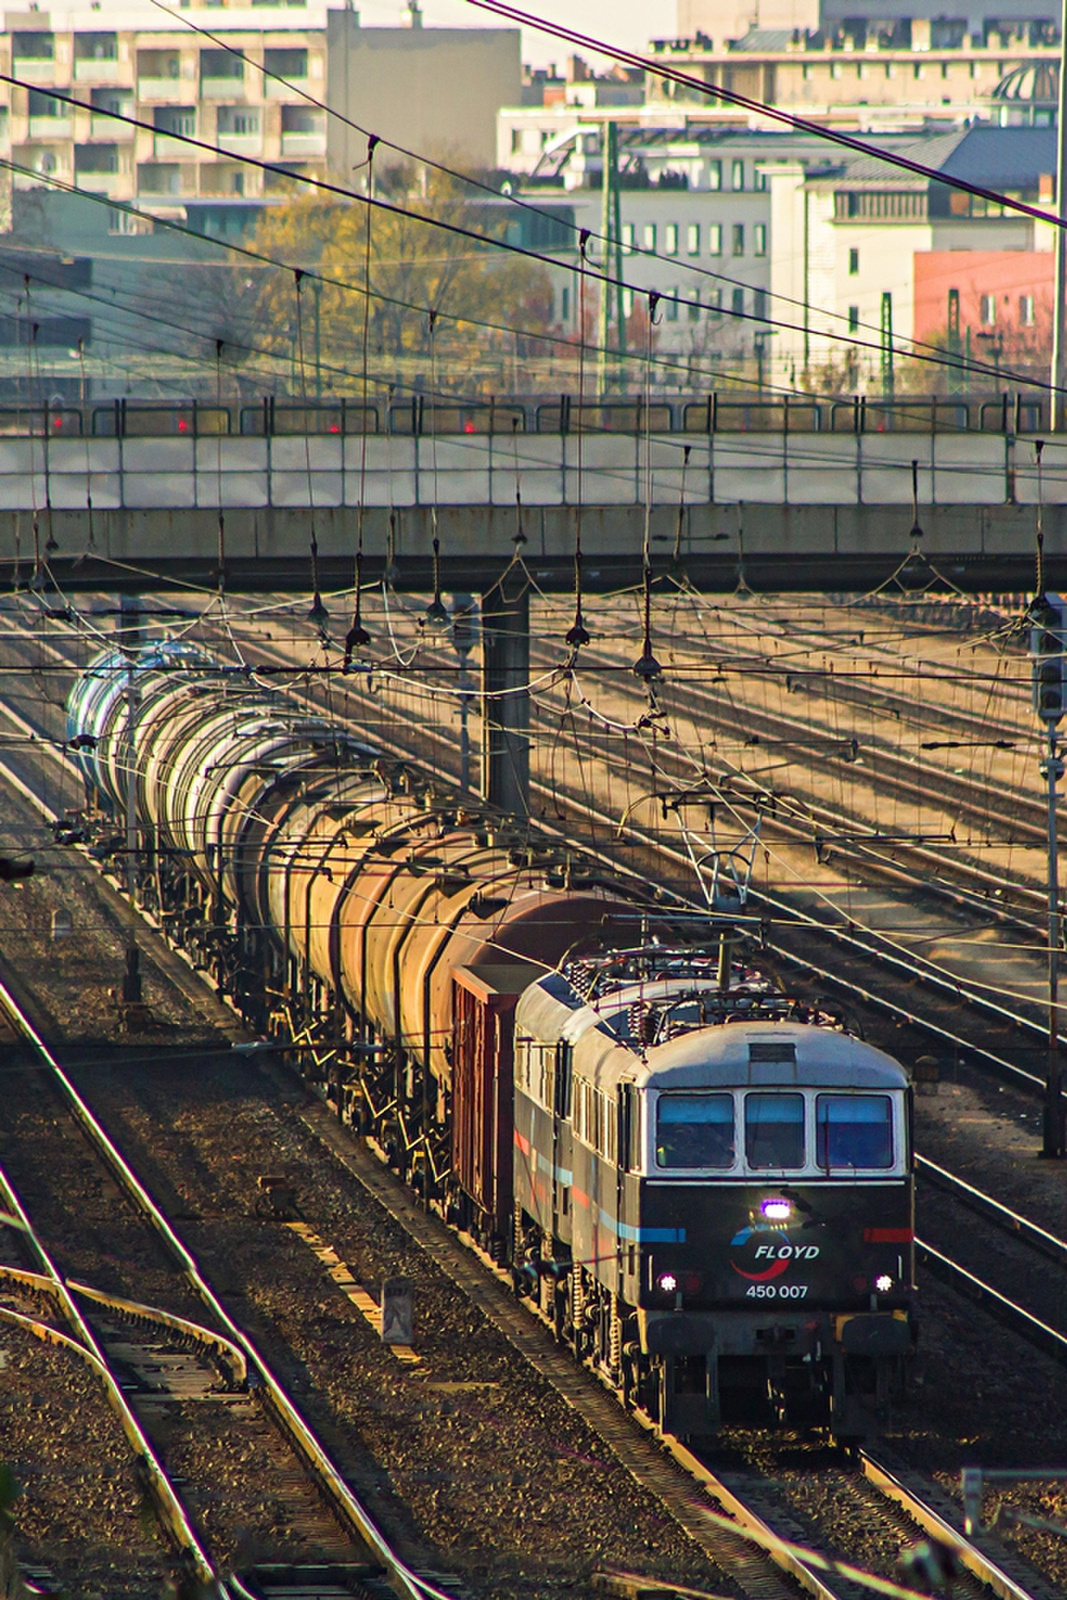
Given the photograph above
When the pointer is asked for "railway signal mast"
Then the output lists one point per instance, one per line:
(1048, 640)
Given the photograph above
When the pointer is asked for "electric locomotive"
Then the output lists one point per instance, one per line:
(718, 1191)
(706, 1186)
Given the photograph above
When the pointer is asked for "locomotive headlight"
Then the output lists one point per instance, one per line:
(883, 1283)
(668, 1282)
(776, 1208)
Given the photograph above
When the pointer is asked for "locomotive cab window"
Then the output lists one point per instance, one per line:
(695, 1130)
(854, 1130)
(774, 1131)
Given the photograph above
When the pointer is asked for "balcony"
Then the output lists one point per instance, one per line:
(240, 144)
(39, 165)
(90, 69)
(165, 147)
(284, 91)
(34, 69)
(116, 185)
(108, 128)
(221, 88)
(166, 180)
(303, 144)
(50, 127)
(156, 89)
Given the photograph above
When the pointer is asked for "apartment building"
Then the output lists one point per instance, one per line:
(140, 91)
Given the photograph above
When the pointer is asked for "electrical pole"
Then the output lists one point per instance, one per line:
(888, 376)
(1048, 636)
(1059, 331)
(609, 157)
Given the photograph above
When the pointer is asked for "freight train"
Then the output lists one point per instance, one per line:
(705, 1185)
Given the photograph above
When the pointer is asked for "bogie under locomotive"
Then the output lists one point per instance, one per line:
(708, 1192)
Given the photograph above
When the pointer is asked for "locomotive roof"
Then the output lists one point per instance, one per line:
(745, 1053)
(758, 1055)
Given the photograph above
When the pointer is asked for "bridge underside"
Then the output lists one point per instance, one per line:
(831, 548)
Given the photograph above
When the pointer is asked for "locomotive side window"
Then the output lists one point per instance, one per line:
(774, 1130)
(854, 1130)
(695, 1130)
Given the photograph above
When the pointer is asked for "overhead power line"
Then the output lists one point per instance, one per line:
(849, 141)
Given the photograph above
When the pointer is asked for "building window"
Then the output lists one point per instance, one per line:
(853, 262)
(286, 63)
(760, 180)
(221, 64)
(672, 303)
(715, 239)
(627, 238)
(714, 304)
(239, 119)
(759, 303)
(33, 46)
(890, 69)
(694, 304)
(739, 239)
(627, 302)
(96, 47)
(159, 64)
(714, 174)
(297, 119)
(835, 69)
(44, 105)
(853, 319)
(175, 119)
(988, 310)
(1026, 310)
(670, 239)
(648, 236)
(692, 239)
(96, 158)
(918, 70)
(737, 175)
(759, 239)
(737, 302)
(565, 304)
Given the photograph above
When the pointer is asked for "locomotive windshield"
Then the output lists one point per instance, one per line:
(695, 1130)
(774, 1130)
(854, 1130)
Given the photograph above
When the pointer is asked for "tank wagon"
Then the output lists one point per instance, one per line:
(704, 1185)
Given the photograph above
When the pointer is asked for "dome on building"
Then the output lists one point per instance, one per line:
(1034, 83)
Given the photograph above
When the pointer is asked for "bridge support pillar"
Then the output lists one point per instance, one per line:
(506, 674)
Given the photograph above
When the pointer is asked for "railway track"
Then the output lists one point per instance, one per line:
(181, 1388)
(980, 1559)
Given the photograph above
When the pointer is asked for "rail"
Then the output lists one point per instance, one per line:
(172, 1513)
(1039, 1238)
(976, 1561)
(322, 1469)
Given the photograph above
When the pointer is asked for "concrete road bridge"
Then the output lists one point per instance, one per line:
(786, 510)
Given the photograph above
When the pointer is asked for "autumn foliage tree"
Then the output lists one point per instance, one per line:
(444, 307)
